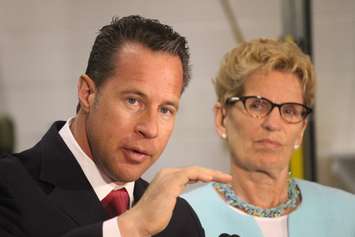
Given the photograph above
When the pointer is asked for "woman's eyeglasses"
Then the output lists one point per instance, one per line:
(260, 107)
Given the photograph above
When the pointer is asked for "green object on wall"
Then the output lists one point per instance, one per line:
(7, 134)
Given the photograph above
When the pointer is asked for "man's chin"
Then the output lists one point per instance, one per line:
(127, 177)
(128, 173)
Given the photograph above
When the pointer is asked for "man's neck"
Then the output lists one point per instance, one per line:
(78, 129)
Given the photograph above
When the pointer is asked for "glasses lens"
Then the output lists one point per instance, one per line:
(257, 107)
(293, 113)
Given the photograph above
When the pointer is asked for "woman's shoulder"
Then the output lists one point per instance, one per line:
(204, 196)
(316, 190)
(197, 193)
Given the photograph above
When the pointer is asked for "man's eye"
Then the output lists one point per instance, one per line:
(132, 101)
(164, 110)
(167, 111)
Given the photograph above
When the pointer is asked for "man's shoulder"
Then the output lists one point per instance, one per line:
(30, 159)
(9, 162)
(12, 171)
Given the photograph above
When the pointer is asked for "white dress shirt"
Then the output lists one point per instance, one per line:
(101, 184)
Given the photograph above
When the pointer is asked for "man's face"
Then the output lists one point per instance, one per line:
(133, 113)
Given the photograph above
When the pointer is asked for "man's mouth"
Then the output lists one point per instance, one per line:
(136, 154)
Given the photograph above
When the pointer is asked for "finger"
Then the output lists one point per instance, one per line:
(221, 177)
(194, 174)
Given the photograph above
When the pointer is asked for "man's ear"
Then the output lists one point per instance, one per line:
(219, 120)
(86, 92)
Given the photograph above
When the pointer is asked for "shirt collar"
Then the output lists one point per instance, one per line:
(101, 184)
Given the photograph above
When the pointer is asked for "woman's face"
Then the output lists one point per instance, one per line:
(262, 144)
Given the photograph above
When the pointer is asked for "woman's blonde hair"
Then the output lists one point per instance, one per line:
(264, 55)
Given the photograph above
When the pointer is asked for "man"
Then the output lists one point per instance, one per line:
(128, 98)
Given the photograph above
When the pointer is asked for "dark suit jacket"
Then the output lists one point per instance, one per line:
(43, 192)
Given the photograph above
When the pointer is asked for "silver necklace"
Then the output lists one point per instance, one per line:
(233, 200)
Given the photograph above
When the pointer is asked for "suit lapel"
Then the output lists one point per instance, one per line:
(82, 206)
(139, 188)
(72, 192)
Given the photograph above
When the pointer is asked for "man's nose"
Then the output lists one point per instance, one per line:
(148, 124)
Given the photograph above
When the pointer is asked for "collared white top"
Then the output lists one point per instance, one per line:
(101, 184)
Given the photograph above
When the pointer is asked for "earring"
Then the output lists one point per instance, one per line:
(289, 174)
(296, 146)
(224, 136)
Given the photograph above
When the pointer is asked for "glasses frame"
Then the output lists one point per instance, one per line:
(232, 100)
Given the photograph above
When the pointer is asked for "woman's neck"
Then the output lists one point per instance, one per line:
(260, 188)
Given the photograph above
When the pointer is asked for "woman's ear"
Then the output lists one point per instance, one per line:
(299, 139)
(219, 119)
(86, 92)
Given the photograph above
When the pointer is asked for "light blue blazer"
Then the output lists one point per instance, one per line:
(324, 212)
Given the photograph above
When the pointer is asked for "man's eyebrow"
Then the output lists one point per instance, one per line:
(172, 103)
(134, 91)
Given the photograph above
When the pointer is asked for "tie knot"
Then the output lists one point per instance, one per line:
(116, 202)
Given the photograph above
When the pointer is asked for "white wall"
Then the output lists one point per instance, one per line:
(334, 56)
(44, 47)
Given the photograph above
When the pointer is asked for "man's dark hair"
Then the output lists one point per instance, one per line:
(136, 29)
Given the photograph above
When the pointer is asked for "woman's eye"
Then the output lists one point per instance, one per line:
(257, 104)
(290, 111)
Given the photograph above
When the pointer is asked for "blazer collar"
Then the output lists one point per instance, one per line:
(59, 166)
(139, 188)
(72, 191)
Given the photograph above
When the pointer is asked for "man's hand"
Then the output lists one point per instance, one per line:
(153, 211)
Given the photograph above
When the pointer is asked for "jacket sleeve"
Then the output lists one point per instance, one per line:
(11, 224)
(23, 212)
(9, 216)
(184, 222)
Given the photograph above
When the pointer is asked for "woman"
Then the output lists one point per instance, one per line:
(265, 91)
